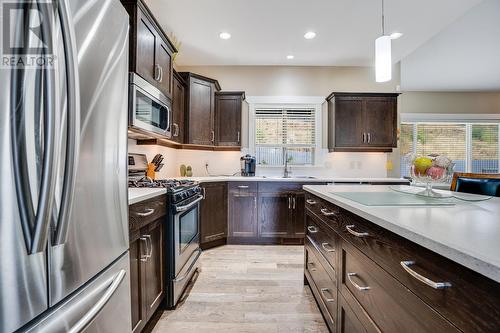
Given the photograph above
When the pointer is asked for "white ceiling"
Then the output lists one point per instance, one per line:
(264, 32)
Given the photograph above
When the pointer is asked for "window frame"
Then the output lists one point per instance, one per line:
(453, 119)
(286, 102)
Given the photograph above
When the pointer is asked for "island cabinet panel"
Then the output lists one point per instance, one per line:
(352, 318)
(380, 294)
(391, 266)
(213, 214)
(323, 284)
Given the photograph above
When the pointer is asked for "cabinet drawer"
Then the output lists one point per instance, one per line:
(352, 318)
(325, 241)
(323, 286)
(327, 212)
(459, 303)
(242, 187)
(144, 212)
(279, 187)
(391, 305)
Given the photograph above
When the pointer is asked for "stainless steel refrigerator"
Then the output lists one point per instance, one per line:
(64, 262)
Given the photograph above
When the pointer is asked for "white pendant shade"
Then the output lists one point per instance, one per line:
(383, 61)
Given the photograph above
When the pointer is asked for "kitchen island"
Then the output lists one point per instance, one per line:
(434, 268)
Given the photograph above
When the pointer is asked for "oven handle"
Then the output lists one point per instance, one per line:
(189, 205)
(179, 279)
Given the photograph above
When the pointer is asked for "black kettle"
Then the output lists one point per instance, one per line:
(248, 164)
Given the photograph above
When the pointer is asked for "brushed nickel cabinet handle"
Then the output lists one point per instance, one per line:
(150, 252)
(369, 137)
(243, 186)
(289, 202)
(144, 257)
(323, 292)
(294, 201)
(157, 74)
(239, 137)
(147, 212)
(327, 247)
(311, 202)
(364, 137)
(357, 286)
(312, 229)
(313, 268)
(355, 233)
(325, 212)
(213, 136)
(436, 285)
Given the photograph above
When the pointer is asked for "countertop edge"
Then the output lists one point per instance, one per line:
(148, 195)
(476, 264)
(293, 179)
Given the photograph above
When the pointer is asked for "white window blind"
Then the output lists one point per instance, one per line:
(472, 147)
(285, 132)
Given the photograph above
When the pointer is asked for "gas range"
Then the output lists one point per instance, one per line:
(177, 190)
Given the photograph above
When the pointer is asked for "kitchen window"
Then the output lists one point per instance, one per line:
(472, 146)
(285, 132)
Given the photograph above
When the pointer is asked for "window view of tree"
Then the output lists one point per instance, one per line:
(284, 132)
(452, 140)
(485, 148)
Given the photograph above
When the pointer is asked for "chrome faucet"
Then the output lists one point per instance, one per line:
(286, 171)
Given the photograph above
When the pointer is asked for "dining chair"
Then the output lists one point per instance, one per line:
(476, 183)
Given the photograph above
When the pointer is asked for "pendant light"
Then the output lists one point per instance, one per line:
(383, 61)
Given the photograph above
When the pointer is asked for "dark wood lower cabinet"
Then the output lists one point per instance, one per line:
(376, 294)
(274, 214)
(242, 214)
(213, 215)
(137, 280)
(147, 262)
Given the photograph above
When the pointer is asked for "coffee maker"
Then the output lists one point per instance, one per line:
(248, 164)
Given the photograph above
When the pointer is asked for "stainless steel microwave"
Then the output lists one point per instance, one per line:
(149, 108)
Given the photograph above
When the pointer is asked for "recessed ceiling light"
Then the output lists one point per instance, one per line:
(290, 57)
(225, 35)
(310, 35)
(396, 35)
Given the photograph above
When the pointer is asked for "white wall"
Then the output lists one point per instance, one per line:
(464, 56)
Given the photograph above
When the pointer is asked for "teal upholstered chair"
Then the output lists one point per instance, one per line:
(476, 183)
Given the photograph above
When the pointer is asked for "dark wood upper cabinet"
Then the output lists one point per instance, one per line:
(362, 121)
(150, 49)
(228, 118)
(213, 213)
(178, 108)
(200, 111)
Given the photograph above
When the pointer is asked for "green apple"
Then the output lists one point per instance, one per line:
(421, 165)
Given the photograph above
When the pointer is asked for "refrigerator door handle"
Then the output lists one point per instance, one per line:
(73, 126)
(40, 228)
(87, 318)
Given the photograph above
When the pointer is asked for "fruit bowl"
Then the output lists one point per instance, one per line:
(429, 170)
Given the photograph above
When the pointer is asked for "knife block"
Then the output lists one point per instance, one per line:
(151, 171)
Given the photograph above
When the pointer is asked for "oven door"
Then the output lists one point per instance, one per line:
(186, 232)
(150, 110)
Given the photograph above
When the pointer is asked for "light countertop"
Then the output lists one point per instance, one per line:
(467, 233)
(293, 179)
(136, 195)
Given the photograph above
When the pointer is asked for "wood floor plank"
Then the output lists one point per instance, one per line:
(247, 288)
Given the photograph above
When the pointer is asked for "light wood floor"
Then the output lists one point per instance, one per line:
(243, 288)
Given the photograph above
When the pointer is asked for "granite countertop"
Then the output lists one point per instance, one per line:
(292, 179)
(467, 232)
(136, 195)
